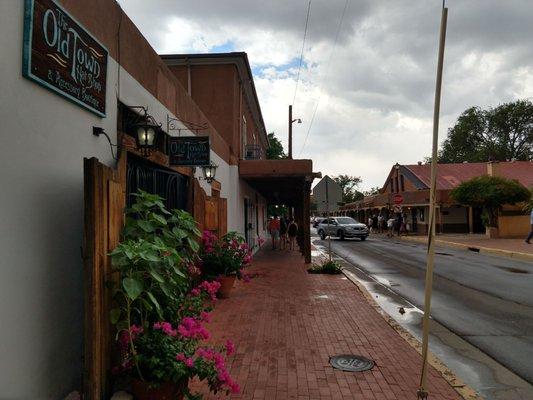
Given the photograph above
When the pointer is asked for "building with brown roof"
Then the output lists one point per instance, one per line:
(406, 191)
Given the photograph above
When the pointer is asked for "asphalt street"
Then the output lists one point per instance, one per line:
(486, 300)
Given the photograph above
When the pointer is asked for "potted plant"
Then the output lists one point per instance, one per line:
(224, 259)
(161, 305)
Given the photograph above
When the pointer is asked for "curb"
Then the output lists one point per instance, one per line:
(485, 250)
(465, 391)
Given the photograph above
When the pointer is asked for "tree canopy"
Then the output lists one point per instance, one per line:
(502, 133)
(349, 185)
(372, 191)
(275, 150)
(490, 193)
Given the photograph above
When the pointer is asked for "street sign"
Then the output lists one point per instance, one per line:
(327, 191)
(397, 198)
(189, 151)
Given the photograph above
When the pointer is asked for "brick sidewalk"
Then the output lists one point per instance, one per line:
(286, 324)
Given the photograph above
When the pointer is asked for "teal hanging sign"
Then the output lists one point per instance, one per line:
(62, 56)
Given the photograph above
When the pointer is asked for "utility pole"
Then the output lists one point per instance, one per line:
(290, 132)
(291, 121)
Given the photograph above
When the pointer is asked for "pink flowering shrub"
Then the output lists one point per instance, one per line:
(224, 256)
(161, 303)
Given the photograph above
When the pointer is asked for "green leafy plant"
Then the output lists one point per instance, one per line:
(160, 301)
(490, 193)
(327, 267)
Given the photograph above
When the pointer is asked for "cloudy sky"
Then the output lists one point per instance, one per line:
(370, 79)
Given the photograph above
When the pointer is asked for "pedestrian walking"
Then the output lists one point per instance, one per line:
(381, 220)
(375, 223)
(530, 236)
(370, 221)
(292, 231)
(399, 222)
(273, 228)
(390, 226)
(283, 232)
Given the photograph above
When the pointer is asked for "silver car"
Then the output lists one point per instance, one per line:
(342, 227)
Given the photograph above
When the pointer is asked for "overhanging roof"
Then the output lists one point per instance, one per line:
(281, 181)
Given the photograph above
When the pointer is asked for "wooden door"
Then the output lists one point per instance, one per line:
(104, 197)
(216, 215)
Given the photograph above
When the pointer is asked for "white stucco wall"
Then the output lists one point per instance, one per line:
(44, 140)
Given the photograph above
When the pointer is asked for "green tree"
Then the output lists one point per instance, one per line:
(502, 133)
(490, 193)
(372, 191)
(275, 149)
(349, 185)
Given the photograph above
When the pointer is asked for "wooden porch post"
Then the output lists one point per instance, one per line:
(305, 223)
(470, 220)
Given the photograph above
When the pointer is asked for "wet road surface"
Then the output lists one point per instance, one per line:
(485, 300)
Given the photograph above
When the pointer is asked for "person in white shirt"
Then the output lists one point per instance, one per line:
(530, 236)
(390, 226)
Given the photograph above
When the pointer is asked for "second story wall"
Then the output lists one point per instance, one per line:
(218, 91)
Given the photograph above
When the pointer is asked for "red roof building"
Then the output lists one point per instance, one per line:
(406, 192)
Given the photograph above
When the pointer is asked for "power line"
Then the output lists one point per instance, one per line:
(302, 52)
(326, 75)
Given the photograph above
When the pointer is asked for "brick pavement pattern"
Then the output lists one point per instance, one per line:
(286, 324)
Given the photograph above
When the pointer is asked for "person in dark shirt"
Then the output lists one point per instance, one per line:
(283, 232)
(293, 232)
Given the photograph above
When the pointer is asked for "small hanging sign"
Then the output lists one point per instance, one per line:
(191, 151)
(62, 56)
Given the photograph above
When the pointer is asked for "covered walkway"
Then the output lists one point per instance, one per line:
(288, 182)
(286, 324)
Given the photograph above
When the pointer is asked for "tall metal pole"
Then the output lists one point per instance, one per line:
(327, 212)
(290, 132)
(422, 391)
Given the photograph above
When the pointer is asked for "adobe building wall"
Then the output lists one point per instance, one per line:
(42, 206)
(212, 89)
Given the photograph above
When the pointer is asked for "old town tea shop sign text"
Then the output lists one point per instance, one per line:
(62, 56)
(189, 151)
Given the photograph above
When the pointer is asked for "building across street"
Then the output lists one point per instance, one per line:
(406, 191)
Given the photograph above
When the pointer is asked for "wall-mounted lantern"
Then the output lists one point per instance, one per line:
(145, 134)
(209, 172)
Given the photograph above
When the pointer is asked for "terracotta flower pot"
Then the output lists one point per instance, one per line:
(226, 286)
(165, 391)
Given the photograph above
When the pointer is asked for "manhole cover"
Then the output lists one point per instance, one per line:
(351, 363)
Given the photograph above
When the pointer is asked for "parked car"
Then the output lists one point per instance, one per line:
(342, 227)
(317, 221)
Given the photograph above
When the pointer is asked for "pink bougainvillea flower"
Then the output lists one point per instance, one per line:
(205, 316)
(124, 337)
(166, 327)
(192, 329)
(246, 277)
(230, 347)
(189, 362)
